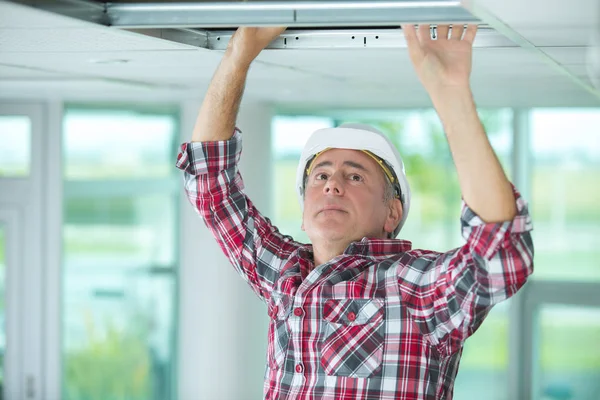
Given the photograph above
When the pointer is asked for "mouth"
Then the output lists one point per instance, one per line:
(332, 209)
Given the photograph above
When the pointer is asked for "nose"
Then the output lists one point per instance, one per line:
(333, 186)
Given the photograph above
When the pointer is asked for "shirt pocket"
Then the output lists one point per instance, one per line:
(352, 343)
(279, 335)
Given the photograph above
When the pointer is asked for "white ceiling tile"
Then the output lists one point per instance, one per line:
(549, 13)
(567, 55)
(546, 36)
(18, 16)
(578, 70)
(101, 61)
(9, 72)
(80, 40)
(86, 90)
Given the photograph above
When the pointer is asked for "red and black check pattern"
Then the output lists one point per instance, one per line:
(380, 321)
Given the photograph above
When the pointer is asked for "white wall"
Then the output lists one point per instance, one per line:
(223, 325)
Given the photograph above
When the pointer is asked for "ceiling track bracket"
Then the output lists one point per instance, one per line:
(230, 14)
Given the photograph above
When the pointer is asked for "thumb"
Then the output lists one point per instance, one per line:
(267, 35)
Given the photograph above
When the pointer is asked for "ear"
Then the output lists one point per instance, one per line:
(394, 215)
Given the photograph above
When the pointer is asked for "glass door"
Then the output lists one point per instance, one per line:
(22, 272)
(10, 365)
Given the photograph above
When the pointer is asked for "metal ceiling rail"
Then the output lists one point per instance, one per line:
(316, 39)
(230, 14)
(291, 14)
(311, 24)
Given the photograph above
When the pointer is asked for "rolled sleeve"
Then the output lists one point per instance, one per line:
(214, 186)
(450, 294)
(210, 158)
(485, 239)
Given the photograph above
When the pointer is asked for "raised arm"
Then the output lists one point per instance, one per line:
(213, 183)
(444, 68)
(450, 294)
(217, 116)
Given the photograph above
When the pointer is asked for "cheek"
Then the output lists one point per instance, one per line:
(370, 205)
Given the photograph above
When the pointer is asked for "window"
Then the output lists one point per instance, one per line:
(15, 146)
(568, 353)
(434, 219)
(2, 302)
(118, 145)
(120, 263)
(566, 193)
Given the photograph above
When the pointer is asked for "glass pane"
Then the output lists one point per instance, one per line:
(15, 146)
(119, 271)
(2, 299)
(119, 290)
(117, 145)
(121, 231)
(569, 353)
(484, 367)
(566, 193)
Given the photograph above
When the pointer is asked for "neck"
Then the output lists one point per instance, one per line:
(324, 252)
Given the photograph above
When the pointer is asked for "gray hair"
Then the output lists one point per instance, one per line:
(389, 191)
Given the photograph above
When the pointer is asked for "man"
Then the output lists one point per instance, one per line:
(358, 314)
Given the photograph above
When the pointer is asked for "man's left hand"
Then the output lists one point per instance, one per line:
(444, 63)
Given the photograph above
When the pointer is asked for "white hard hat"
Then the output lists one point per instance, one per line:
(356, 137)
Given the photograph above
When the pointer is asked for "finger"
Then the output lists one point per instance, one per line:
(410, 34)
(470, 33)
(424, 33)
(442, 32)
(457, 31)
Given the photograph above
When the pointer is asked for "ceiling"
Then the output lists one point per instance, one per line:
(49, 56)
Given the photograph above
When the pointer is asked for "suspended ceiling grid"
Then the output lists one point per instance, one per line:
(48, 55)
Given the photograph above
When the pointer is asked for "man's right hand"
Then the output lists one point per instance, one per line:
(218, 114)
(247, 42)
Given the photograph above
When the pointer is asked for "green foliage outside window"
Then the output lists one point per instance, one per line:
(113, 365)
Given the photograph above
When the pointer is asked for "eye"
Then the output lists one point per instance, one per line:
(355, 177)
(321, 176)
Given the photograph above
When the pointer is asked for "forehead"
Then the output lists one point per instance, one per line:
(338, 156)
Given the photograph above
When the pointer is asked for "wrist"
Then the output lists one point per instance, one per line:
(236, 60)
(449, 93)
(453, 103)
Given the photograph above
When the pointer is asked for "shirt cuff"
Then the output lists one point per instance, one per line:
(486, 238)
(198, 158)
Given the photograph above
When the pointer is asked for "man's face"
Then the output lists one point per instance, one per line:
(344, 199)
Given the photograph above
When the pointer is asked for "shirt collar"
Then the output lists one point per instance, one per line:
(378, 247)
(367, 247)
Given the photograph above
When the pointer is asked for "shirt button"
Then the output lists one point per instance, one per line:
(299, 368)
(298, 312)
(351, 316)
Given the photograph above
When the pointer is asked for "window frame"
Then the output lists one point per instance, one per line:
(109, 188)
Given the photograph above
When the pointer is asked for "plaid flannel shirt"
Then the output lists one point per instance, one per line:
(380, 321)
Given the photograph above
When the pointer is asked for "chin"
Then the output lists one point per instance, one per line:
(337, 234)
(328, 233)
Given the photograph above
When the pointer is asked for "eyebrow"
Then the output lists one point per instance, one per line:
(348, 163)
